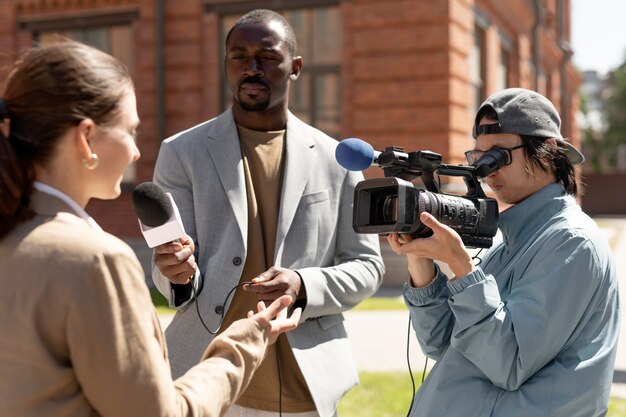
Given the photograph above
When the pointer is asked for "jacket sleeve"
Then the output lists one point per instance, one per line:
(552, 300)
(431, 316)
(169, 173)
(358, 269)
(118, 354)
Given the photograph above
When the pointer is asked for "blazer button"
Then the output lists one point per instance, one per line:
(219, 310)
(236, 261)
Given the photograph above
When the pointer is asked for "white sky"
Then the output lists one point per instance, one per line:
(598, 34)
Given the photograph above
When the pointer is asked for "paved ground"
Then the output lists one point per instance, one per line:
(379, 338)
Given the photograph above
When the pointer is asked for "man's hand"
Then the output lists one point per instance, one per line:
(175, 260)
(444, 245)
(274, 317)
(275, 282)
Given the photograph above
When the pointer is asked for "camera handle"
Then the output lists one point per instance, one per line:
(468, 172)
(409, 166)
(424, 164)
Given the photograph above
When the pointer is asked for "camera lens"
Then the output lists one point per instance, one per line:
(390, 209)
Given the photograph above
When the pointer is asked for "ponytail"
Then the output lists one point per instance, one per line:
(564, 172)
(52, 88)
(16, 180)
(545, 157)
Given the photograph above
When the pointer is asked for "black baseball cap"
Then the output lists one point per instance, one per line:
(525, 112)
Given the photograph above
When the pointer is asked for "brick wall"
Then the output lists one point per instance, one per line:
(405, 71)
(397, 70)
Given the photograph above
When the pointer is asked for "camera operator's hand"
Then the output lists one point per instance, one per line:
(175, 260)
(444, 245)
(421, 270)
(276, 282)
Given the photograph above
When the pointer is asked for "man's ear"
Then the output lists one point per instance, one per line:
(296, 68)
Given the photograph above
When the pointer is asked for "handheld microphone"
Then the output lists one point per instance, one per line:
(159, 219)
(355, 154)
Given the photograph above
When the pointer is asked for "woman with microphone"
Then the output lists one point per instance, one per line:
(80, 334)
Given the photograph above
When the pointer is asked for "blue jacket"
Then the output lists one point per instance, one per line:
(533, 330)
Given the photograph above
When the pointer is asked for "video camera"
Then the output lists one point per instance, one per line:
(394, 204)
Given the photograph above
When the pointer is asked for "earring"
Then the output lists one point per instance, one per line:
(92, 162)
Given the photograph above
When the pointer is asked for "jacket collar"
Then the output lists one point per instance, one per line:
(521, 221)
(48, 202)
(48, 205)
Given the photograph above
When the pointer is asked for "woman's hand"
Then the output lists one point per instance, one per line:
(273, 318)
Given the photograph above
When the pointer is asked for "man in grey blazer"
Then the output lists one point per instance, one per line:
(263, 200)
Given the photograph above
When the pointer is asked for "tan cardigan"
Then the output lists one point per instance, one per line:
(80, 336)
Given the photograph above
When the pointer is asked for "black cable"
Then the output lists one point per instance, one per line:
(408, 351)
(476, 257)
(219, 325)
(280, 382)
(408, 362)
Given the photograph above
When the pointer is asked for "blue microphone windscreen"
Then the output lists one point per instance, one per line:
(354, 154)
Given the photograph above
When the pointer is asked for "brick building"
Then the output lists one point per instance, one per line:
(396, 72)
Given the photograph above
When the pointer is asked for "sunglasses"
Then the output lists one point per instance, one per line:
(474, 155)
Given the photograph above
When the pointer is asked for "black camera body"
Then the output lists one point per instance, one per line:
(394, 204)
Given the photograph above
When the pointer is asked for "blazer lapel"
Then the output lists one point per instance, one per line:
(225, 152)
(298, 164)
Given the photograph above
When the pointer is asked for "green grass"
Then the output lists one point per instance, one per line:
(369, 304)
(381, 303)
(379, 394)
(388, 394)
(160, 302)
(617, 408)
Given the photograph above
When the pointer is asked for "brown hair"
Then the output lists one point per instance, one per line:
(51, 89)
(543, 156)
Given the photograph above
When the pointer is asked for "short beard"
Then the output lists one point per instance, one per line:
(260, 106)
(256, 106)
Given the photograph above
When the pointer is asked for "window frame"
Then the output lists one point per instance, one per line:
(85, 22)
(313, 72)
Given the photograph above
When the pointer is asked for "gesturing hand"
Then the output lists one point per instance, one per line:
(276, 282)
(273, 319)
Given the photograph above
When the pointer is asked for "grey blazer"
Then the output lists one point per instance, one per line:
(203, 169)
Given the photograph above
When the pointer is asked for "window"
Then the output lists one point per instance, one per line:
(477, 68)
(315, 96)
(112, 34)
(504, 66)
(114, 40)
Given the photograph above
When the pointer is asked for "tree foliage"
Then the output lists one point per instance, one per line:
(603, 127)
(614, 137)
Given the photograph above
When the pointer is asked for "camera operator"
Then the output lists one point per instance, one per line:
(533, 329)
